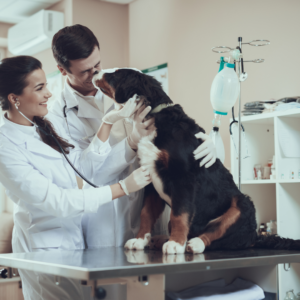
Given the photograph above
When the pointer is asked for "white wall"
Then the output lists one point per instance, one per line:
(183, 32)
(109, 23)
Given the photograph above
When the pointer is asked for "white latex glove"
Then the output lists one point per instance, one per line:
(207, 149)
(140, 128)
(122, 112)
(135, 181)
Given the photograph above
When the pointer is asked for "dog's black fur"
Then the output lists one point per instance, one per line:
(204, 193)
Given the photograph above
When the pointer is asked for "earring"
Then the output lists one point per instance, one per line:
(17, 104)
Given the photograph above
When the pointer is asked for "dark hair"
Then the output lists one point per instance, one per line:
(13, 79)
(73, 42)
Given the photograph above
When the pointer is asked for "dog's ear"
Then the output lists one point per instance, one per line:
(123, 94)
(120, 95)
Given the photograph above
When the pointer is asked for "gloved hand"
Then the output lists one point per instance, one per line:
(122, 112)
(140, 128)
(135, 181)
(207, 149)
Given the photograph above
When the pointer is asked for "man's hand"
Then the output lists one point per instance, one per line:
(207, 149)
(140, 128)
(122, 112)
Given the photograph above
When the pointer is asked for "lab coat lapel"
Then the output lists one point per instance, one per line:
(85, 110)
(82, 125)
(108, 104)
(120, 129)
(92, 117)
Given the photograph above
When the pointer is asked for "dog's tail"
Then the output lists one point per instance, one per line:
(276, 242)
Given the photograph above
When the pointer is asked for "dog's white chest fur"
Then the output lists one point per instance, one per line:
(148, 153)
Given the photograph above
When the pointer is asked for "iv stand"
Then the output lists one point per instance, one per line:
(240, 137)
(255, 43)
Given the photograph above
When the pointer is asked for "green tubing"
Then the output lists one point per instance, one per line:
(222, 63)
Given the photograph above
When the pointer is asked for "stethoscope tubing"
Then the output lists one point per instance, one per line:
(64, 154)
(59, 146)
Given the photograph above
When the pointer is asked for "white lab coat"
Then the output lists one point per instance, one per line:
(118, 221)
(48, 204)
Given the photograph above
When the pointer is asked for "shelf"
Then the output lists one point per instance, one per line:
(288, 180)
(10, 280)
(263, 181)
(267, 118)
(268, 181)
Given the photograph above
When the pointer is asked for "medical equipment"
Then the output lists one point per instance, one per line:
(236, 57)
(66, 119)
(224, 90)
(234, 121)
(43, 130)
(223, 94)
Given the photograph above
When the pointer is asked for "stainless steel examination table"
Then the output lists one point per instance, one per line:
(142, 271)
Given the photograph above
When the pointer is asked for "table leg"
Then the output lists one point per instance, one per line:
(154, 290)
(148, 287)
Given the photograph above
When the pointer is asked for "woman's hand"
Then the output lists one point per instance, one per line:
(135, 181)
(126, 111)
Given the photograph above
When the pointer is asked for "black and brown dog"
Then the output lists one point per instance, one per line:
(207, 209)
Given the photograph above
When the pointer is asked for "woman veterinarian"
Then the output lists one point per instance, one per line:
(48, 205)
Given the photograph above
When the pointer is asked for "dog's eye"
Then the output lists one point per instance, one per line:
(103, 90)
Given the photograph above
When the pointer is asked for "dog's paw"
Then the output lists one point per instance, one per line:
(138, 244)
(171, 247)
(197, 257)
(195, 245)
(172, 259)
(137, 257)
(156, 242)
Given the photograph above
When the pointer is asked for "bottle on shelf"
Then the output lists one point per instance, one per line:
(262, 229)
(273, 169)
(257, 171)
(290, 295)
(269, 229)
(273, 225)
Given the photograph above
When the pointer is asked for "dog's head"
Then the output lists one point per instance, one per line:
(122, 84)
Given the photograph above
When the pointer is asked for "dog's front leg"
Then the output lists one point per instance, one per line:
(152, 209)
(179, 232)
(182, 214)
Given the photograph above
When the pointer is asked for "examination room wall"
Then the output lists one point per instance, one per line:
(46, 57)
(108, 21)
(182, 34)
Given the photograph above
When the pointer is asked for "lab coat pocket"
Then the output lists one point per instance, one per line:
(47, 239)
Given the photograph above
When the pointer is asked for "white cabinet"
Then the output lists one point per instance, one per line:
(269, 134)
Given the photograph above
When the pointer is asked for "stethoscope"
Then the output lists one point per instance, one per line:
(66, 120)
(59, 146)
